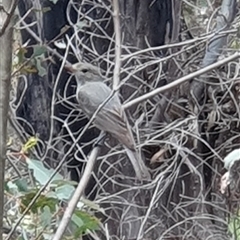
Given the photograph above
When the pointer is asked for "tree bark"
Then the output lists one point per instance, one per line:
(7, 8)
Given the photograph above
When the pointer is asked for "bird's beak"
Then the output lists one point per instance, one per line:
(70, 68)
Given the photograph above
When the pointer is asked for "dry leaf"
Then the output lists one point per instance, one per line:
(158, 156)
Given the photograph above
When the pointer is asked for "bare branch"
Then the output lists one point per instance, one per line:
(216, 45)
(8, 10)
(116, 21)
(78, 193)
(181, 80)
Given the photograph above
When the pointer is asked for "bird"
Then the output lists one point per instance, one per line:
(91, 93)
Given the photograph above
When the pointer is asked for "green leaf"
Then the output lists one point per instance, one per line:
(78, 221)
(21, 184)
(40, 203)
(84, 222)
(38, 50)
(31, 143)
(41, 70)
(92, 205)
(234, 227)
(40, 172)
(64, 192)
(37, 59)
(21, 55)
(6, 187)
(46, 216)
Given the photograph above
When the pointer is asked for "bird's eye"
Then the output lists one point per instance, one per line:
(84, 70)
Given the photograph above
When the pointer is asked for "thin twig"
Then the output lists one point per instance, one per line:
(8, 18)
(116, 22)
(38, 39)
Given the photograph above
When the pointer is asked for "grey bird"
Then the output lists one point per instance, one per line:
(91, 93)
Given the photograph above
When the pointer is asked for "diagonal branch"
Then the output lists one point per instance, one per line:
(79, 191)
(181, 80)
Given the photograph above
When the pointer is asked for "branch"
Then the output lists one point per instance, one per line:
(216, 45)
(7, 21)
(181, 80)
(78, 193)
(39, 40)
(116, 22)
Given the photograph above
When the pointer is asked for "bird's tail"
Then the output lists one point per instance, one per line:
(140, 169)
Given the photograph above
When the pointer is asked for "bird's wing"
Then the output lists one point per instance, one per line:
(111, 118)
(114, 121)
(91, 95)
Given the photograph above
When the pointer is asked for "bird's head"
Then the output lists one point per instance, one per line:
(84, 72)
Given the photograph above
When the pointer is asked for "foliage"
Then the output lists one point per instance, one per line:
(234, 227)
(231, 158)
(45, 213)
(34, 64)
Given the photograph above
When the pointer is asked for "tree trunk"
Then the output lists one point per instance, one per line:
(7, 9)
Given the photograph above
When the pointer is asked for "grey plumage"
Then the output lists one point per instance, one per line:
(91, 93)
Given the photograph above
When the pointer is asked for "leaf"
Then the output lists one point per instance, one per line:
(28, 69)
(92, 205)
(40, 172)
(46, 216)
(11, 188)
(231, 158)
(53, 1)
(78, 221)
(41, 70)
(158, 156)
(64, 192)
(32, 142)
(21, 54)
(38, 50)
(6, 187)
(60, 44)
(85, 222)
(234, 227)
(235, 44)
(40, 203)
(21, 184)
